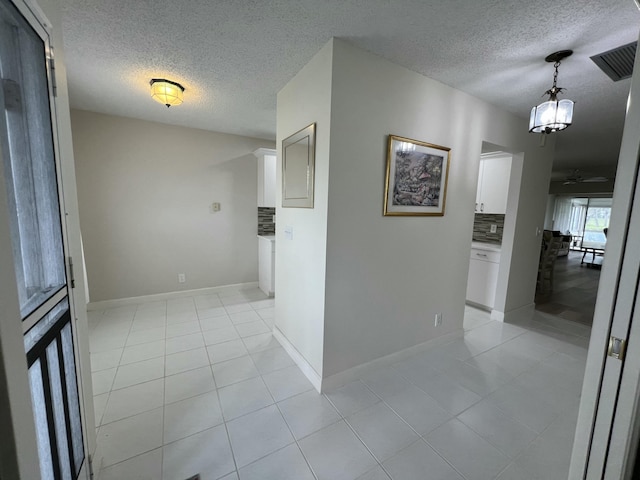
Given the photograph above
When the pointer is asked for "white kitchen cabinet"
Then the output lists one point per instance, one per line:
(266, 264)
(483, 277)
(266, 177)
(493, 183)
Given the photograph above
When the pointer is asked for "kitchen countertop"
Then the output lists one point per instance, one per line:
(492, 247)
(271, 238)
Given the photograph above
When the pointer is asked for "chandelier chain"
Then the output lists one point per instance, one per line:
(555, 75)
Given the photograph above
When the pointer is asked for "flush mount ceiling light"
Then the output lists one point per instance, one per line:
(166, 92)
(553, 115)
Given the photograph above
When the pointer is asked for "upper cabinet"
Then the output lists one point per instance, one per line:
(266, 177)
(493, 183)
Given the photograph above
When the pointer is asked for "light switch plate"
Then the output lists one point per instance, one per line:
(494, 228)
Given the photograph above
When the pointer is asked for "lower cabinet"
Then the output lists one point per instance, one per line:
(266, 265)
(483, 277)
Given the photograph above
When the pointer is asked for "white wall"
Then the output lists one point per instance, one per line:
(550, 210)
(301, 262)
(145, 189)
(386, 277)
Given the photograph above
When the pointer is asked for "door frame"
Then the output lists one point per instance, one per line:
(19, 458)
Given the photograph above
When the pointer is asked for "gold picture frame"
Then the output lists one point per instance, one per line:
(416, 180)
(298, 168)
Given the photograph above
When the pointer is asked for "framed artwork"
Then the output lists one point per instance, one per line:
(416, 182)
(298, 168)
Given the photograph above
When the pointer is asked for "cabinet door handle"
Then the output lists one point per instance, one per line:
(482, 207)
(481, 254)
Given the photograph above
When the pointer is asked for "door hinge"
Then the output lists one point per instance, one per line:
(90, 466)
(617, 348)
(52, 68)
(72, 277)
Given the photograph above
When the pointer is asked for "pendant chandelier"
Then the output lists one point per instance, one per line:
(553, 115)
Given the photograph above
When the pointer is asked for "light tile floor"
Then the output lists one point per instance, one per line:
(199, 385)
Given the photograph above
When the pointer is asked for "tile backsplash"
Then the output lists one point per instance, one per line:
(482, 228)
(266, 224)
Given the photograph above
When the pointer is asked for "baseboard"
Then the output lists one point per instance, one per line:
(478, 306)
(120, 302)
(351, 374)
(514, 316)
(354, 373)
(303, 365)
(269, 294)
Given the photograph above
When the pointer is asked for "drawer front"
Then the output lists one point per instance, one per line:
(486, 255)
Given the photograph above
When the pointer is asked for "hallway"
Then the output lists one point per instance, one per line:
(199, 385)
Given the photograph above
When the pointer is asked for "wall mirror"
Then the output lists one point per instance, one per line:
(298, 165)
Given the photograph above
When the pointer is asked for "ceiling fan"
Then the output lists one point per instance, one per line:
(576, 177)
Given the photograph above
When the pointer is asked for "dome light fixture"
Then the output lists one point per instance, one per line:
(553, 115)
(166, 92)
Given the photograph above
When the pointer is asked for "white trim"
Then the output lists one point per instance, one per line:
(303, 365)
(496, 154)
(357, 372)
(265, 151)
(120, 302)
(514, 316)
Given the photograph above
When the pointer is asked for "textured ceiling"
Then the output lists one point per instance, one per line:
(233, 56)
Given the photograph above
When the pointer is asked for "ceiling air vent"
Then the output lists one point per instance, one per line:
(617, 63)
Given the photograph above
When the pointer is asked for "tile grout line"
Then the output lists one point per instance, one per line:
(454, 416)
(226, 428)
(315, 476)
(111, 390)
(261, 376)
(344, 419)
(420, 437)
(164, 395)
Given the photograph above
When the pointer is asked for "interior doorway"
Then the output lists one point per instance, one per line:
(579, 224)
(490, 211)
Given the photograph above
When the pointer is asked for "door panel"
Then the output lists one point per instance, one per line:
(51, 362)
(37, 233)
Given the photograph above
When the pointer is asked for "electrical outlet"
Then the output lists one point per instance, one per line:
(438, 320)
(214, 207)
(494, 228)
(182, 278)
